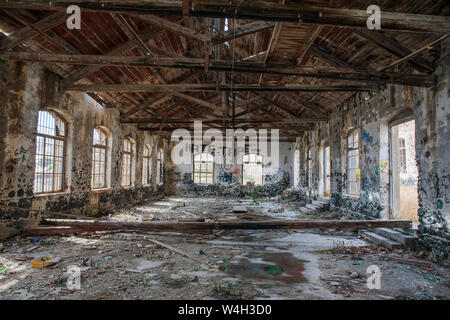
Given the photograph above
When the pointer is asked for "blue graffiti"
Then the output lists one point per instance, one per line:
(367, 137)
(226, 177)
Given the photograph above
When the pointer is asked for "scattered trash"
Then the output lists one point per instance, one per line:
(44, 262)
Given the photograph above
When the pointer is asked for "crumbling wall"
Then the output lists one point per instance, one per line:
(371, 115)
(28, 88)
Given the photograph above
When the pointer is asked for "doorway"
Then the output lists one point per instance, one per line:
(296, 169)
(403, 172)
(325, 177)
(326, 173)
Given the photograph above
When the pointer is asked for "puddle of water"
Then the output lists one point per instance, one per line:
(278, 266)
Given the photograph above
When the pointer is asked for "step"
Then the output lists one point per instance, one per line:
(314, 207)
(409, 231)
(320, 203)
(325, 200)
(307, 210)
(406, 240)
(380, 240)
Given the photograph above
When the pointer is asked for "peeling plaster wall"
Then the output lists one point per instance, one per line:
(371, 114)
(29, 88)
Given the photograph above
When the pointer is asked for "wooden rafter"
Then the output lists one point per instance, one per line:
(170, 88)
(392, 46)
(218, 65)
(241, 31)
(218, 120)
(260, 10)
(31, 31)
(174, 27)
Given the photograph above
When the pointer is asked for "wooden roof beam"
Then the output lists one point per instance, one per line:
(241, 31)
(218, 65)
(172, 88)
(221, 120)
(254, 10)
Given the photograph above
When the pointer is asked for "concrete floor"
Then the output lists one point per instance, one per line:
(255, 264)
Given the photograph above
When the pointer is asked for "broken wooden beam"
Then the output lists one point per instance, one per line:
(50, 230)
(311, 224)
(208, 227)
(156, 226)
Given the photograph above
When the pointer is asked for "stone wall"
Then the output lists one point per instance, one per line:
(28, 88)
(372, 115)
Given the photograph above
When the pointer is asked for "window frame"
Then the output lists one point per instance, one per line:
(351, 149)
(402, 156)
(56, 137)
(130, 164)
(147, 164)
(310, 165)
(105, 149)
(160, 167)
(200, 172)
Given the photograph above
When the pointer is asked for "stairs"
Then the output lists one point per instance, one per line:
(316, 206)
(391, 239)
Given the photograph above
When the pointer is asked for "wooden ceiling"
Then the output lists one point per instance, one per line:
(159, 62)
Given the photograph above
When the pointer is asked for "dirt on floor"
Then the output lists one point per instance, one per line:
(240, 264)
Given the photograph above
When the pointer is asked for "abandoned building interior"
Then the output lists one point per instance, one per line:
(87, 171)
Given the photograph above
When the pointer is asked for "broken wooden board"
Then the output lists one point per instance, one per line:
(208, 227)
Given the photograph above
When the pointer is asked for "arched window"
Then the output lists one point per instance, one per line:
(127, 163)
(99, 154)
(50, 138)
(353, 172)
(310, 168)
(147, 166)
(160, 167)
(203, 168)
(252, 169)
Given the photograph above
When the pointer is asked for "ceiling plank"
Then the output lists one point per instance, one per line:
(392, 46)
(121, 49)
(29, 32)
(307, 43)
(174, 27)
